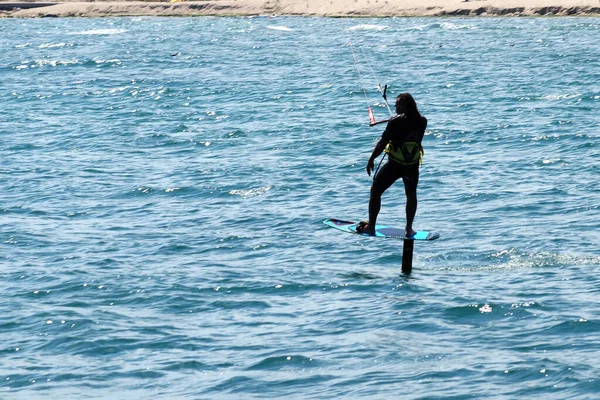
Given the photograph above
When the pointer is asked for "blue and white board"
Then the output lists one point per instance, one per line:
(380, 230)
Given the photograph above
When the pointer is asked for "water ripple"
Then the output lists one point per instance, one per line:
(164, 185)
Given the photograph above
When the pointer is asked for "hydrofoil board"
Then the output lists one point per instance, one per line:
(380, 230)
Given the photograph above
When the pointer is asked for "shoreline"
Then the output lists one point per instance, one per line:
(308, 8)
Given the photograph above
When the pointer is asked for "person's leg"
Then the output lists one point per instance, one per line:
(374, 207)
(386, 176)
(411, 211)
(410, 188)
(368, 227)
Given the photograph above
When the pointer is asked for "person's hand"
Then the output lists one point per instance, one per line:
(370, 166)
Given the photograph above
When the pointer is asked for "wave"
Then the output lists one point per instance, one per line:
(53, 45)
(280, 28)
(444, 25)
(368, 27)
(100, 32)
(251, 192)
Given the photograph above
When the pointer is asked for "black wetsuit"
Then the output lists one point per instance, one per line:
(400, 129)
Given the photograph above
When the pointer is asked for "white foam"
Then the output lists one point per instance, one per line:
(368, 27)
(100, 32)
(557, 97)
(280, 28)
(251, 192)
(51, 45)
(451, 26)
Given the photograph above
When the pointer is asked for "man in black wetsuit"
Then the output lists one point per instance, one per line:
(401, 140)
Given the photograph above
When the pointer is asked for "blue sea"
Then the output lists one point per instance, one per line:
(164, 181)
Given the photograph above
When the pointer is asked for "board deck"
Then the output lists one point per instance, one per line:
(380, 230)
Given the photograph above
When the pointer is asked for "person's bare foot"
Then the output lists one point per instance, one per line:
(365, 228)
(409, 232)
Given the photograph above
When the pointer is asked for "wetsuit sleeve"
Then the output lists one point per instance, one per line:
(391, 128)
(387, 133)
(424, 127)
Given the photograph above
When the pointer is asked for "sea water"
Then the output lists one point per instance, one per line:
(163, 183)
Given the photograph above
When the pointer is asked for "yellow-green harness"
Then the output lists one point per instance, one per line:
(405, 153)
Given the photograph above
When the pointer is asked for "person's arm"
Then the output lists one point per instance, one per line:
(379, 147)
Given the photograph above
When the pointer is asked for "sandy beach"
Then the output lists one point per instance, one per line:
(333, 8)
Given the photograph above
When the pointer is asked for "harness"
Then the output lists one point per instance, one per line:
(408, 152)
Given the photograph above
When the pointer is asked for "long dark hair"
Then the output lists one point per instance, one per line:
(409, 104)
